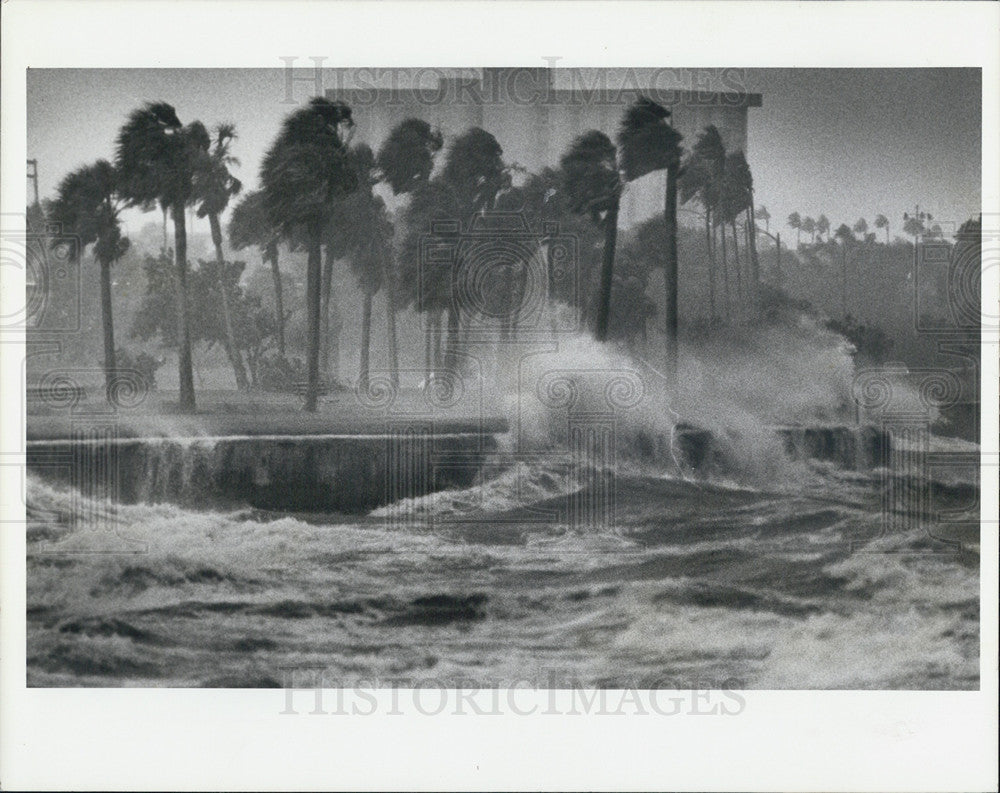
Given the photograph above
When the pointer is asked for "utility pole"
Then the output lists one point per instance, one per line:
(33, 176)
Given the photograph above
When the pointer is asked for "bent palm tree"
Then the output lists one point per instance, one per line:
(303, 171)
(823, 226)
(86, 205)
(214, 185)
(648, 143)
(360, 232)
(249, 225)
(593, 187)
(474, 172)
(764, 215)
(740, 182)
(795, 221)
(882, 222)
(155, 161)
(405, 160)
(809, 227)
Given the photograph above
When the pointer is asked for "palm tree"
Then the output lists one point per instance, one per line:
(861, 227)
(214, 185)
(795, 221)
(882, 222)
(249, 225)
(360, 232)
(732, 203)
(702, 178)
(823, 226)
(647, 142)
(593, 188)
(87, 206)
(405, 160)
(426, 285)
(155, 162)
(740, 189)
(913, 226)
(809, 227)
(304, 170)
(475, 173)
(846, 237)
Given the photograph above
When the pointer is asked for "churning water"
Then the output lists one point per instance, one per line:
(765, 573)
(695, 581)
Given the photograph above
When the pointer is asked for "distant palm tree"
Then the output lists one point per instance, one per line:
(86, 206)
(823, 226)
(155, 162)
(846, 237)
(861, 227)
(809, 227)
(405, 160)
(303, 171)
(740, 181)
(795, 222)
(882, 222)
(647, 142)
(214, 185)
(593, 187)
(250, 225)
(703, 178)
(913, 225)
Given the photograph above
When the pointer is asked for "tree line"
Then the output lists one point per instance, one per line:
(318, 195)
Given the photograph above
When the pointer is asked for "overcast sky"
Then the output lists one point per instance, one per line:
(844, 142)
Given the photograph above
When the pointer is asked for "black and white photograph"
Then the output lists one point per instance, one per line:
(589, 389)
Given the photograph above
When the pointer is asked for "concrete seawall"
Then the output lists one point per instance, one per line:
(320, 471)
(312, 471)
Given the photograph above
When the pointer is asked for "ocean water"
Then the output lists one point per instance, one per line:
(790, 584)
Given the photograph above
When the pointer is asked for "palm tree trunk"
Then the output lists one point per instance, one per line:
(390, 319)
(711, 263)
(184, 364)
(327, 342)
(739, 265)
(607, 272)
(232, 350)
(428, 345)
(279, 303)
(109, 330)
(843, 281)
(670, 277)
(366, 340)
(754, 258)
(725, 269)
(313, 284)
